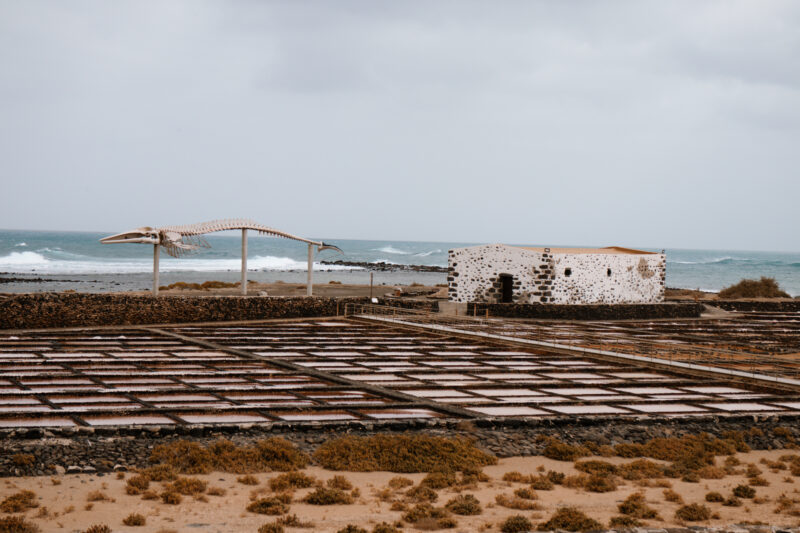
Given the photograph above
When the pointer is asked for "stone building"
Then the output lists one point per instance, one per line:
(497, 273)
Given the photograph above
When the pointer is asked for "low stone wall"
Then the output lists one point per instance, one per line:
(780, 306)
(71, 310)
(588, 312)
(104, 449)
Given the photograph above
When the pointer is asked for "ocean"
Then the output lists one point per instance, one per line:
(79, 261)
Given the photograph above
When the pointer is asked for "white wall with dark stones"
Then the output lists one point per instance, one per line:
(474, 275)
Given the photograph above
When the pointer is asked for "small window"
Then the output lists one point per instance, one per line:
(568, 272)
(608, 272)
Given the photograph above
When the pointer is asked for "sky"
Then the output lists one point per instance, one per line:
(636, 123)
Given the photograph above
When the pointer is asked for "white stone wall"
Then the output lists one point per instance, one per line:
(474, 276)
(608, 278)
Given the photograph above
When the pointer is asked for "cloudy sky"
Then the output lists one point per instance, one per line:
(663, 124)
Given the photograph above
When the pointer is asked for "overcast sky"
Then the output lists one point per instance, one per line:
(662, 124)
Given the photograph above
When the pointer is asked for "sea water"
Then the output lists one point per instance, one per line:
(80, 257)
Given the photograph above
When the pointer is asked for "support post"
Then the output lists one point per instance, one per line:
(370, 287)
(309, 289)
(155, 269)
(244, 261)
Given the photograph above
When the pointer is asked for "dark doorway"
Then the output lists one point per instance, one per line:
(506, 288)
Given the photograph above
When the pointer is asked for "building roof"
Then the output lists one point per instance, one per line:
(606, 250)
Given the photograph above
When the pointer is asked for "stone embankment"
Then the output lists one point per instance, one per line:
(107, 449)
(48, 310)
(588, 311)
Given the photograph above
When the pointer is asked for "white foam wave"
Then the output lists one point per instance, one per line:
(32, 262)
(23, 258)
(21, 244)
(391, 250)
(387, 261)
(426, 254)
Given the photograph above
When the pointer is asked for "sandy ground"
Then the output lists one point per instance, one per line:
(66, 501)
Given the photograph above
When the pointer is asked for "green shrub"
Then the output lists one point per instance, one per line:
(751, 288)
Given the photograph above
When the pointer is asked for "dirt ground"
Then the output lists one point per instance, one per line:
(63, 500)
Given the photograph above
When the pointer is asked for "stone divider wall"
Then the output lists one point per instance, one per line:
(780, 306)
(48, 310)
(588, 311)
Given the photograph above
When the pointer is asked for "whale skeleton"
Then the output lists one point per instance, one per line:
(186, 239)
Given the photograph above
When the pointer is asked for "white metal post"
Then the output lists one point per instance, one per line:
(155, 269)
(244, 262)
(309, 285)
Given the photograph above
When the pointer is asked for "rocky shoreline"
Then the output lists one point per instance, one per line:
(103, 450)
(386, 267)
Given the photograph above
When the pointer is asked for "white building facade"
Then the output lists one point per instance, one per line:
(497, 273)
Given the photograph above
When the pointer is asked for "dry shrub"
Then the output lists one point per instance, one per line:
(515, 477)
(188, 486)
(629, 450)
(401, 453)
(149, 495)
(159, 473)
(19, 502)
(23, 459)
(464, 504)
(570, 519)
(247, 480)
(715, 497)
(339, 482)
(96, 496)
(137, 484)
(526, 494)
(385, 527)
(695, 512)
(640, 469)
(624, 521)
(513, 502)
(575, 482)
(98, 528)
(751, 288)
(399, 482)
(271, 528)
(544, 482)
(516, 524)
(636, 507)
(561, 451)
(350, 528)
(268, 506)
(439, 480)
(134, 519)
(743, 491)
(191, 458)
(732, 501)
(292, 480)
(596, 467)
(423, 512)
(292, 521)
(758, 481)
(17, 524)
(170, 497)
(672, 496)
(327, 496)
(711, 472)
(420, 493)
(600, 483)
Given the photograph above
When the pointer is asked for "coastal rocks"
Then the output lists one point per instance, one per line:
(386, 267)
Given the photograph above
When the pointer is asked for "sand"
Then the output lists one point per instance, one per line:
(66, 501)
